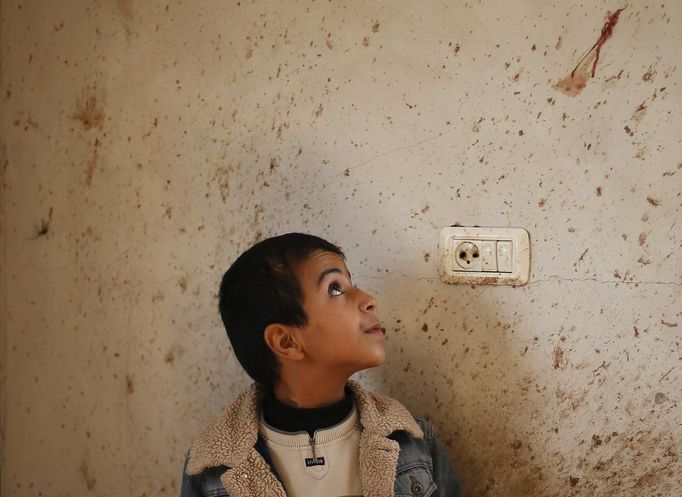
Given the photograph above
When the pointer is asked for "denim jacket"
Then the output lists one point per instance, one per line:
(399, 455)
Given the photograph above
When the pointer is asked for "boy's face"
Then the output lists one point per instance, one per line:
(342, 333)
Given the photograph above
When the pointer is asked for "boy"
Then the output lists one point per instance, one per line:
(300, 329)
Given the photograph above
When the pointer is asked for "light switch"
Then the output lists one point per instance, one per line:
(504, 256)
(488, 256)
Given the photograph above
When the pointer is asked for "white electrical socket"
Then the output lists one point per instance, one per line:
(468, 256)
(484, 256)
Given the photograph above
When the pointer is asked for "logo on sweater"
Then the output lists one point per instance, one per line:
(309, 461)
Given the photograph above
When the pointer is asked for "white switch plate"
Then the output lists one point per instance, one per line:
(484, 256)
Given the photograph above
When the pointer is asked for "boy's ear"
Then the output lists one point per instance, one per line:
(281, 340)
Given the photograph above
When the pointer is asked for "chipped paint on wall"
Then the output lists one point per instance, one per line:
(143, 146)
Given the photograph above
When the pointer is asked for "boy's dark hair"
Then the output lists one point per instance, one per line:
(259, 289)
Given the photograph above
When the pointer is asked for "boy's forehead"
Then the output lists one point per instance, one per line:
(318, 264)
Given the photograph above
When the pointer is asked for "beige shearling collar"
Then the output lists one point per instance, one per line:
(230, 439)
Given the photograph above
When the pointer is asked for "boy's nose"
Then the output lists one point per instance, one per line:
(368, 302)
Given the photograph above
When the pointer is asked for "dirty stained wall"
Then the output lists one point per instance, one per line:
(145, 144)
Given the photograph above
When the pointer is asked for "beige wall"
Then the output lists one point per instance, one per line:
(145, 144)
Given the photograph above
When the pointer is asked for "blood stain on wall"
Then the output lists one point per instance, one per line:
(182, 283)
(91, 164)
(222, 177)
(45, 225)
(91, 114)
(586, 67)
(639, 112)
(86, 475)
(174, 353)
(90, 109)
(126, 8)
(558, 356)
(130, 385)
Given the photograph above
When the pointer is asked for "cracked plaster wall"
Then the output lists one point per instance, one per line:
(146, 144)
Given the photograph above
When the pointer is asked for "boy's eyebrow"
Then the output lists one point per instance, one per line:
(328, 271)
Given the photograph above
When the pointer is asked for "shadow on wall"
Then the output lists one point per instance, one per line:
(455, 368)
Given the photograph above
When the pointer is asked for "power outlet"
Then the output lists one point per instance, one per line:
(484, 256)
(468, 256)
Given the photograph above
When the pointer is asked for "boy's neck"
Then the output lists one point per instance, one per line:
(310, 392)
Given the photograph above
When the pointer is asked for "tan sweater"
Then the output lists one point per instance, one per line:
(231, 438)
(326, 466)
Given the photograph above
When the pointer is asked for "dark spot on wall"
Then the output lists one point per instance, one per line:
(427, 256)
(91, 164)
(599, 191)
(90, 109)
(639, 113)
(558, 43)
(86, 475)
(582, 256)
(642, 239)
(174, 353)
(375, 27)
(222, 177)
(573, 481)
(127, 10)
(427, 308)
(541, 202)
(660, 398)
(280, 129)
(520, 132)
(90, 234)
(182, 283)
(365, 41)
(44, 227)
(130, 385)
(669, 325)
(425, 209)
(653, 201)
(557, 357)
(628, 131)
(425, 327)
(596, 441)
(318, 111)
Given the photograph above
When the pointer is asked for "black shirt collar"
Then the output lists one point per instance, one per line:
(293, 419)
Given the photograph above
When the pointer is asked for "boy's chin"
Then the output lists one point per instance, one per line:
(375, 362)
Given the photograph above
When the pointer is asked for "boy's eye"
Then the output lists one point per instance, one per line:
(335, 290)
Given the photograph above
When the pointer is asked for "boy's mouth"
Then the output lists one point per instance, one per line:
(376, 329)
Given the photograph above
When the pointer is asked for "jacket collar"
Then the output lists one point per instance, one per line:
(230, 439)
